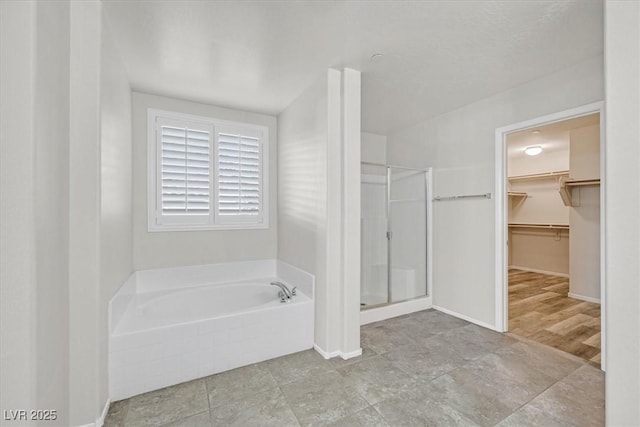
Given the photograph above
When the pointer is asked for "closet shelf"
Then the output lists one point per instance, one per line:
(539, 175)
(517, 194)
(547, 226)
(581, 182)
(570, 189)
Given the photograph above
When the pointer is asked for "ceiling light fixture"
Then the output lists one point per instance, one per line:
(534, 150)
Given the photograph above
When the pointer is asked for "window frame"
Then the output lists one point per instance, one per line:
(157, 221)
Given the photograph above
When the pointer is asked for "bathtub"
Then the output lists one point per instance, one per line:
(168, 326)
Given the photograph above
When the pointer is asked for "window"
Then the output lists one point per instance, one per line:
(206, 173)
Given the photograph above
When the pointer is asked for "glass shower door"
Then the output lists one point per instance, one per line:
(374, 245)
(407, 226)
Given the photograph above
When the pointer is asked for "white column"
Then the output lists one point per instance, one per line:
(622, 181)
(351, 128)
(84, 211)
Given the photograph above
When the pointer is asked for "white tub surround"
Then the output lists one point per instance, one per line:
(173, 325)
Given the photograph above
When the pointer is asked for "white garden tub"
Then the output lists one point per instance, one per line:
(173, 325)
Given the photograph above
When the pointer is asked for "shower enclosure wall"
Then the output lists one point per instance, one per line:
(395, 224)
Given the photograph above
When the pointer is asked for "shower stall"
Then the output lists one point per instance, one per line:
(395, 233)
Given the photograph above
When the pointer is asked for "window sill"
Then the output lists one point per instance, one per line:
(219, 227)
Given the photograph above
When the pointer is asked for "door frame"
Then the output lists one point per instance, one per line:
(501, 206)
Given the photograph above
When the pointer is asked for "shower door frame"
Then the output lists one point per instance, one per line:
(390, 308)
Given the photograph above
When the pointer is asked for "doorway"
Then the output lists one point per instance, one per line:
(549, 256)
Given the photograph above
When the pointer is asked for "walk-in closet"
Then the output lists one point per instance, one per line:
(554, 235)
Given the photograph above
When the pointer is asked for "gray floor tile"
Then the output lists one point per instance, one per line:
(168, 404)
(426, 368)
(376, 379)
(549, 361)
(527, 416)
(469, 396)
(267, 408)
(199, 420)
(483, 337)
(412, 410)
(457, 343)
(416, 328)
(437, 322)
(293, 367)
(117, 413)
(231, 386)
(589, 380)
(368, 417)
(506, 373)
(322, 399)
(573, 404)
(503, 388)
(425, 362)
(382, 339)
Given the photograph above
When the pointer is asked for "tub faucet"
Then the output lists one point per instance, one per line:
(285, 293)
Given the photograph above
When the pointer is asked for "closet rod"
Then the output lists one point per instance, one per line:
(545, 226)
(466, 196)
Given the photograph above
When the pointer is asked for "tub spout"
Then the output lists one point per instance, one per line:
(283, 288)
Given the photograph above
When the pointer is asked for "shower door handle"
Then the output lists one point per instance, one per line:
(389, 235)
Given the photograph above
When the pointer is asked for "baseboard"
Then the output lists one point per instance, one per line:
(103, 416)
(467, 318)
(332, 354)
(584, 298)
(535, 270)
(351, 354)
(100, 421)
(324, 353)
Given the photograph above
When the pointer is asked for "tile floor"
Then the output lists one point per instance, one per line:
(426, 368)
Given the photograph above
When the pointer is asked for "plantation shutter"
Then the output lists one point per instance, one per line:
(206, 174)
(239, 169)
(185, 168)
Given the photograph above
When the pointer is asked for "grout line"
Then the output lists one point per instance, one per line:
(539, 394)
(206, 390)
(284, 397)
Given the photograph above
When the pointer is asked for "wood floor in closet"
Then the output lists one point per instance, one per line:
(541, 310)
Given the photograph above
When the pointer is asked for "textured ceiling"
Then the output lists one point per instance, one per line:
(438, 55)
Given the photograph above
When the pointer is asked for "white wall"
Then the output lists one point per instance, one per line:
(585, 218)
(302, 191)
(35, 222)
(116, 201)
(584, 159)
(17, 228)
(460, 146)
(316, 222)
(172, 249)
(543, 204)
(545, 251)
(373, 148)
(84, 212)
(51, 204)
(538, 249)
(55, 356)
(622, 237)
(547, 161)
